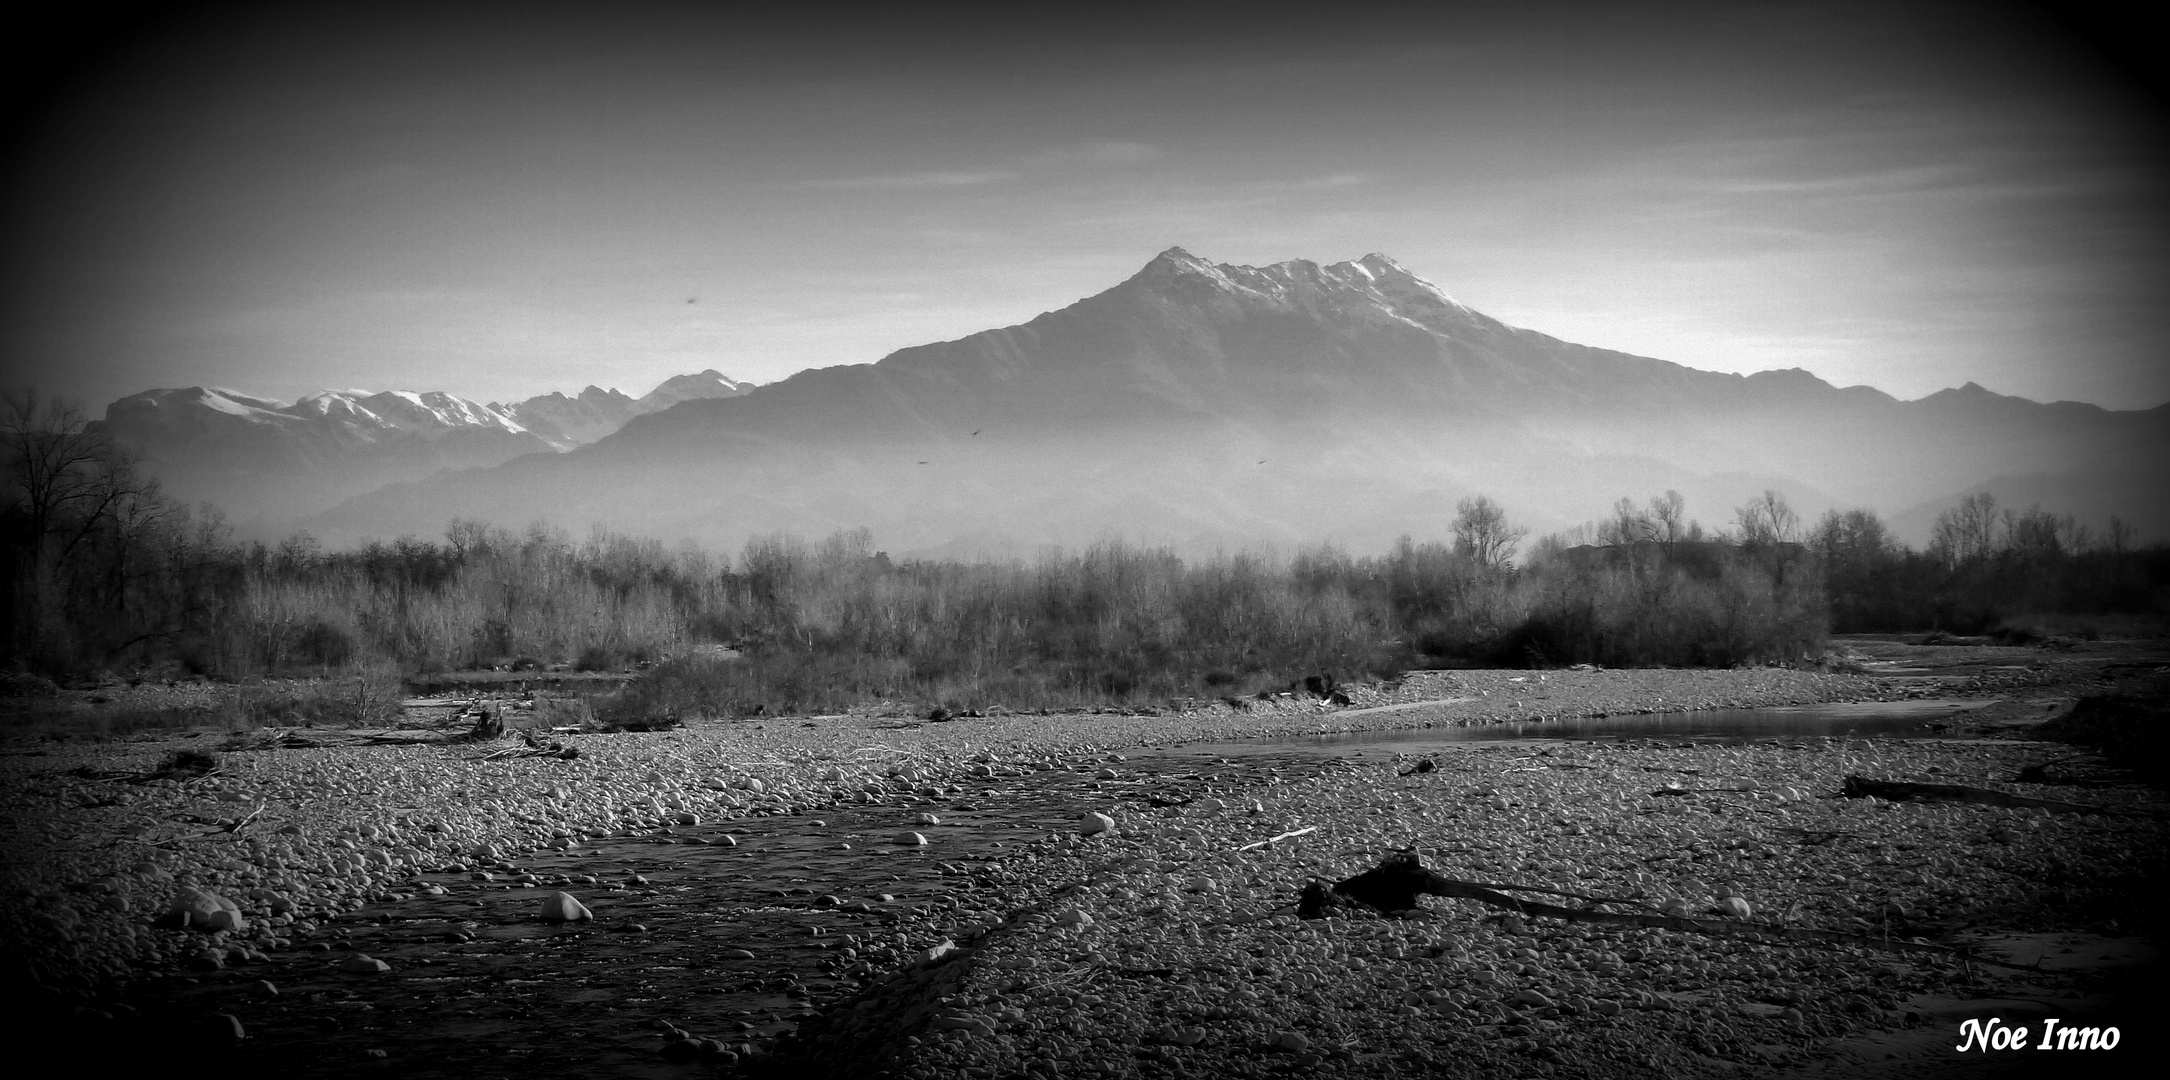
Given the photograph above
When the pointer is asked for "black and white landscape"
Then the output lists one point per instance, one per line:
(1610, 540)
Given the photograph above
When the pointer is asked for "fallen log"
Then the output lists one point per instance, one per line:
(1857, 787)
(1395, 884)
(2039, 773)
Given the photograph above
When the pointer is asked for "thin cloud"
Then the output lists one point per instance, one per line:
(1337, 180)
(1880, 182)
(915, 180)
(1100, 152)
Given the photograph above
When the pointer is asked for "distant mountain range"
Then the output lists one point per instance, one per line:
(274, 462)
(1218, 406)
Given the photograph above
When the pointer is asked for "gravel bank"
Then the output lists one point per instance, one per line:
(89, 861)
(1173, 971)
(1176, 970)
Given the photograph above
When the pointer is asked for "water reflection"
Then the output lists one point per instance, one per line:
(1871, 719)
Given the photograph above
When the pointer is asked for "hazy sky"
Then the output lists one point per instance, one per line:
(506, 200)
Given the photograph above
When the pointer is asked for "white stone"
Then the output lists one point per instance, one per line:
(1095, 823)
(207, 909)
(911, 839)
(564, 907)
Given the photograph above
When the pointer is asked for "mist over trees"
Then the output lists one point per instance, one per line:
(104, 574)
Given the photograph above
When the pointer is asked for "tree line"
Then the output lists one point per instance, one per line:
(104, 573)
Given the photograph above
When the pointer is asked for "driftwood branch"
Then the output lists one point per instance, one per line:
(1278, 839)
(1897, 791)
(1395, 884)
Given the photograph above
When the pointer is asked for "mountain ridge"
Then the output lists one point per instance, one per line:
(1293, 402)
(263, 459)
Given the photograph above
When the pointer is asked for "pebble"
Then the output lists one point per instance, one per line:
(563, 907)
(206, 910)
(360, 964)
(911, 839)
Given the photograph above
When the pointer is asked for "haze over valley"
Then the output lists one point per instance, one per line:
(1197, 405)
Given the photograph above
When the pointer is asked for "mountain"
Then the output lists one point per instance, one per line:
(272, 463)
(677, 388)
(568, 422)
(1206, 405)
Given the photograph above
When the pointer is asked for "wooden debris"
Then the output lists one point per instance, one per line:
(1899, 791)
(1278, 839)
(1395, 884)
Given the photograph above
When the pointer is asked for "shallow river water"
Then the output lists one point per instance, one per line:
(1913, 719)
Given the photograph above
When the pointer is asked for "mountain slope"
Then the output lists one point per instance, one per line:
(1206, 404)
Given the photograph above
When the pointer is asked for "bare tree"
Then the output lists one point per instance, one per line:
(75, 510)
(2036, 532)
(62, 477)
(1967, 531)
(1482, 533)
(1852, 534)
(1627, 525)
(2120, 536)
(1668, 515)
(1767, 519)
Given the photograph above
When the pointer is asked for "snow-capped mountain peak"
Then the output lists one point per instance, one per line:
(1369, 290)
(251, 453)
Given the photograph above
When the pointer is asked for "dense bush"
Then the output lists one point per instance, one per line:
(2015, 572)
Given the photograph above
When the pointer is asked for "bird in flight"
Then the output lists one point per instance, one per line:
(691, 299)
(922, 463)
(975, 433)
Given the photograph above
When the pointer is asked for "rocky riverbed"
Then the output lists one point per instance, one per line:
(876, 893)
